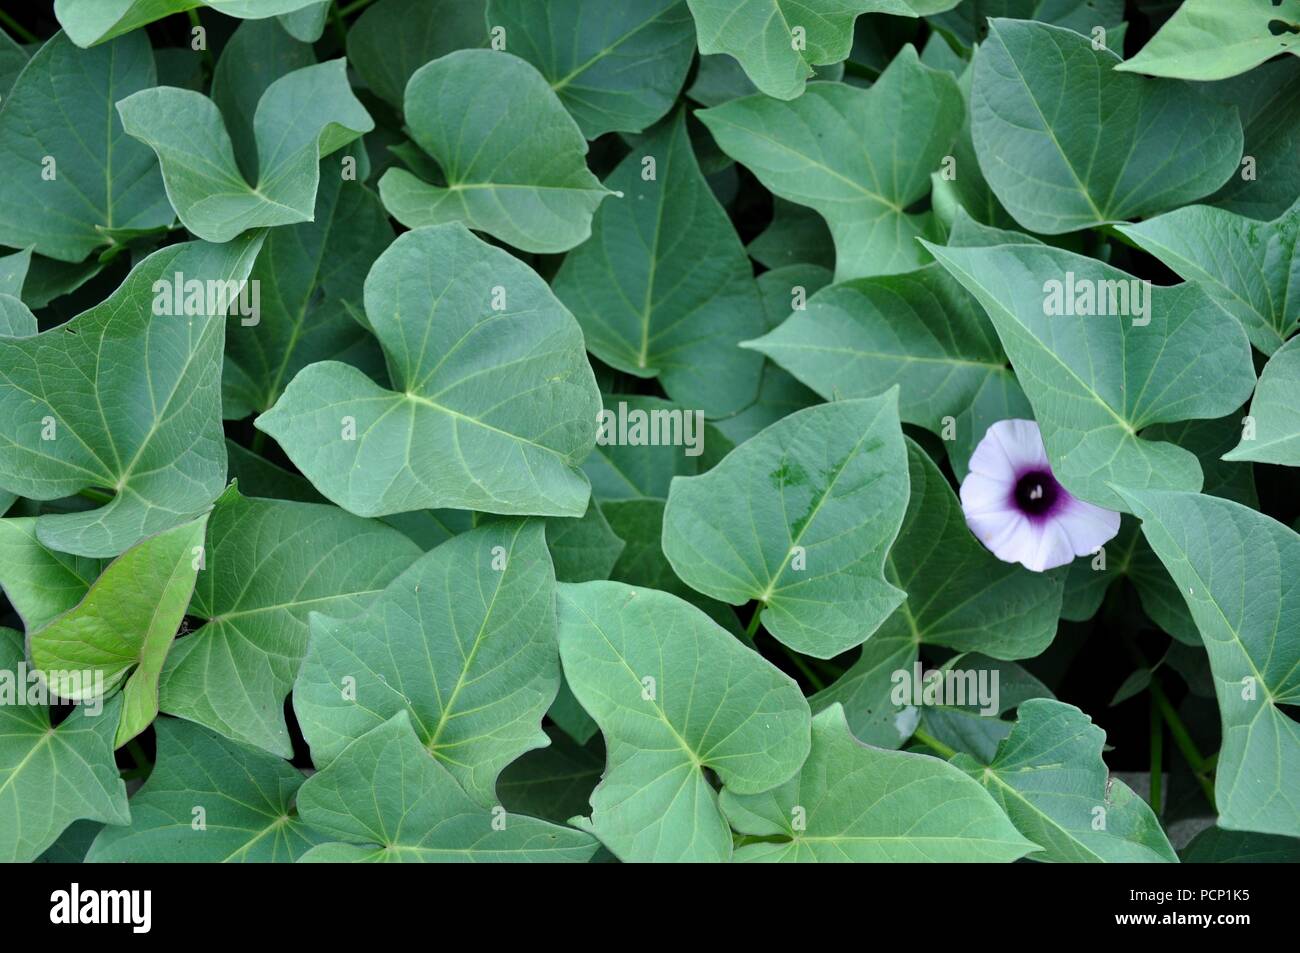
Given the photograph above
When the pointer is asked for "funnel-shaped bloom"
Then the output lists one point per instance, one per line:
(1015, 507)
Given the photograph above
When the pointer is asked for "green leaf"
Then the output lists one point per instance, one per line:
(778, 42)
(582, 549)
(1050, 779)
(673, 695)
(51, 776)
(124, 626)
(464, 640)
(920, 331)
(1236, 569)
(1214, 845)
(491, 409)
(93, 21)
(796, 235)
(1275, 410)
(998, 398)
(306, 23)
(617, 67)
(209, 800)
(13, 274)
(1143, 147)
(1208, 39)
(800, 518)
(852, 803)
(1251, 269)
(310, 278)
(394, 38)
(625, 466)
(513, 158)
(663, 288)
(1096, 380)
(968, 23)
(385, 800)
(811, 151)
(134, 406)
(39, 582)
(268, 565)
(303, 116)
(554, 782)
(1268, 99)
(959, 595)
(67, 155)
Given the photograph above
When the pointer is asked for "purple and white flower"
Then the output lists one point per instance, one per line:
(1016, 507)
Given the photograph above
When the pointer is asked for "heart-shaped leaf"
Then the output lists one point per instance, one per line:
(93, 21)
(493, 402)
(1207, 39)
(1275, 412)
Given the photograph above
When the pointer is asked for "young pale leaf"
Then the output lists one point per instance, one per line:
(1050, 779)
(301, 117)
(617, 67)
(674, 694)
(1210, 39)
(1142, 147)
(268, 565)
(75, 179)
(385, 800)
(513, 158)
(93, 21)
(1251, 269)
(920, 330)
(310, 278)
(1237, 569)
(812, 151)
(394, 38)
(124, 626)
(852, 803)
(1101, 356)
(494, 402)
(800, 518)
(51, 776)
(1275, 412)
(464, 640)
(39, 582)
(124, 398)
(663, 288)
(778, 42)
(209, 800)
(959, 595)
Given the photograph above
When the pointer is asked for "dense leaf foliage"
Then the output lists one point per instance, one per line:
(650, 431)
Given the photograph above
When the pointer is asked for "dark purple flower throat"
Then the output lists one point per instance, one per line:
(1037, 493)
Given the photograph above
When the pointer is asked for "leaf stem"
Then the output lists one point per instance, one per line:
(136, 751)
(752, 629)
(340, 28)
(208, 63)
(933, 743)
(24, 34)
(353, 7)
(1157, 754)
(259, 442)
(99, 496)
(1183, 739)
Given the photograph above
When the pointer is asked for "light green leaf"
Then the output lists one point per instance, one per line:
(134, 403)
(491, 409)
(674, 694)
(246, 797)
(513, 158)
(800, 518)
(812, 151)
(268, 564)
(959, 595)
(51, 776)
(1050, 779)
(306, 23)
(921, 331)
(124, 626)
(1096, 380)
(1237, 570)
(13, 274)
(302, 116)
(92, 21)
(74, 177)
(1275, 412)
(663, 288)
(1209, 39)
(616, 66)
(778, 42)
(39, 582)
(387, 801)
(968, 22)
(1156, 145)
(852, 803)
(394, 38)
(464, 640)
(1251, 269)
(310, 278)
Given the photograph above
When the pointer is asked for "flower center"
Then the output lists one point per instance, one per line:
(1037, 492)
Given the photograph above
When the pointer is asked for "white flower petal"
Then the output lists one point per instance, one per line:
(1021, 443)
(1085, 525)
(981, 493)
